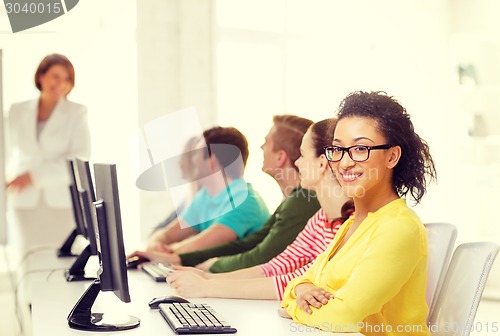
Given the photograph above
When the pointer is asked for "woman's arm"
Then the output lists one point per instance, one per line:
(283, 279)
(245, 273)
(215, 235)
(190, 284)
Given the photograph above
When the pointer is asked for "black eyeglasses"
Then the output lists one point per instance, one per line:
(357, 153)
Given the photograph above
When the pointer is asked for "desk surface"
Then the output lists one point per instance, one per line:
(54, 299)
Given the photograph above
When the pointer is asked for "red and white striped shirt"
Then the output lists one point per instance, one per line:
(299, 255)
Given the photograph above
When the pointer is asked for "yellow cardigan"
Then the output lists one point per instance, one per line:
(378, 277)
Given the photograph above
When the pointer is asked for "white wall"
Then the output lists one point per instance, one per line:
(175, 72)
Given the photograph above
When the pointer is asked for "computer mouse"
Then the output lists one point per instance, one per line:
(155, 303)
(134, 261)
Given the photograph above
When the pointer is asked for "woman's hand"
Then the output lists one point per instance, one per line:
(307, 294)
(20, 182)
(283, 313)
(188, 284)
(155, 256)
(205, 266)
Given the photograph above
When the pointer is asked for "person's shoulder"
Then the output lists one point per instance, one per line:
(200, 196)
(299, 207)
(24, 105)
(246, 195)
(240, 185)
(301, 197)
(242, 190)
(401, 218)
(401, 210)
(19, 111)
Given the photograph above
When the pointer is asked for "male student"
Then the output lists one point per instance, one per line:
(280, 149)
(226, 208)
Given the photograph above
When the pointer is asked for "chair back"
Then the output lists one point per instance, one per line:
(441, 241)
(456, 304)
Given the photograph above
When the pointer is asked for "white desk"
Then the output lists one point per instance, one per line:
(40, 267)
(54, 299)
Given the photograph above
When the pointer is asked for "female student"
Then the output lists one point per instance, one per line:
(372, 277)
(267, 281)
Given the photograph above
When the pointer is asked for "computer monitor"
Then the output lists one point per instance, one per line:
(112, 273)
(65, 249)
(86, 196)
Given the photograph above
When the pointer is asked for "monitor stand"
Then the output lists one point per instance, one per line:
(77, 270)
(65, 250)
(82, 318)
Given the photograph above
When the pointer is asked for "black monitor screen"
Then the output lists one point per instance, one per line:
(87, 198)
(112, 274)
(82, 193)
(65, 249)
(113, 268)
(75, 200)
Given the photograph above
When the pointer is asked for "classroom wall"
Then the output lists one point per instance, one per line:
(174, 72)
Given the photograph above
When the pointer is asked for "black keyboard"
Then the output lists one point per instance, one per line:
(157, 271)
(192, 318)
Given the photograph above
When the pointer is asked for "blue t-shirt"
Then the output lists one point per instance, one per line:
(239, 207)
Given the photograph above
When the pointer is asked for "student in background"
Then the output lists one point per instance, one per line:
(187, 169)
(226, 208)
(268, 281)
(281, 150)
(45, 133)
(372, 278)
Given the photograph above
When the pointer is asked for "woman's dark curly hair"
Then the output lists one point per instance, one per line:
(416, 164)
(345, 212)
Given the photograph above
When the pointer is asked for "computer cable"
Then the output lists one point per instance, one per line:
(53, 270)
(35, 250)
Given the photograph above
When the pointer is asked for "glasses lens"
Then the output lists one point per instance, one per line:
(328, 153)
(335, 153)
(359, 153)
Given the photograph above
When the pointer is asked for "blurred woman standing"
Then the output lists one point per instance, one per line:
(45, 133)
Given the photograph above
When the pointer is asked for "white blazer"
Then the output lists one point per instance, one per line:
(65, 136)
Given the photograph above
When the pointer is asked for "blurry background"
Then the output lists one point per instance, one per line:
(239, 62)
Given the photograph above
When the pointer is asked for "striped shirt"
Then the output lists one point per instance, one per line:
(299, 255)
